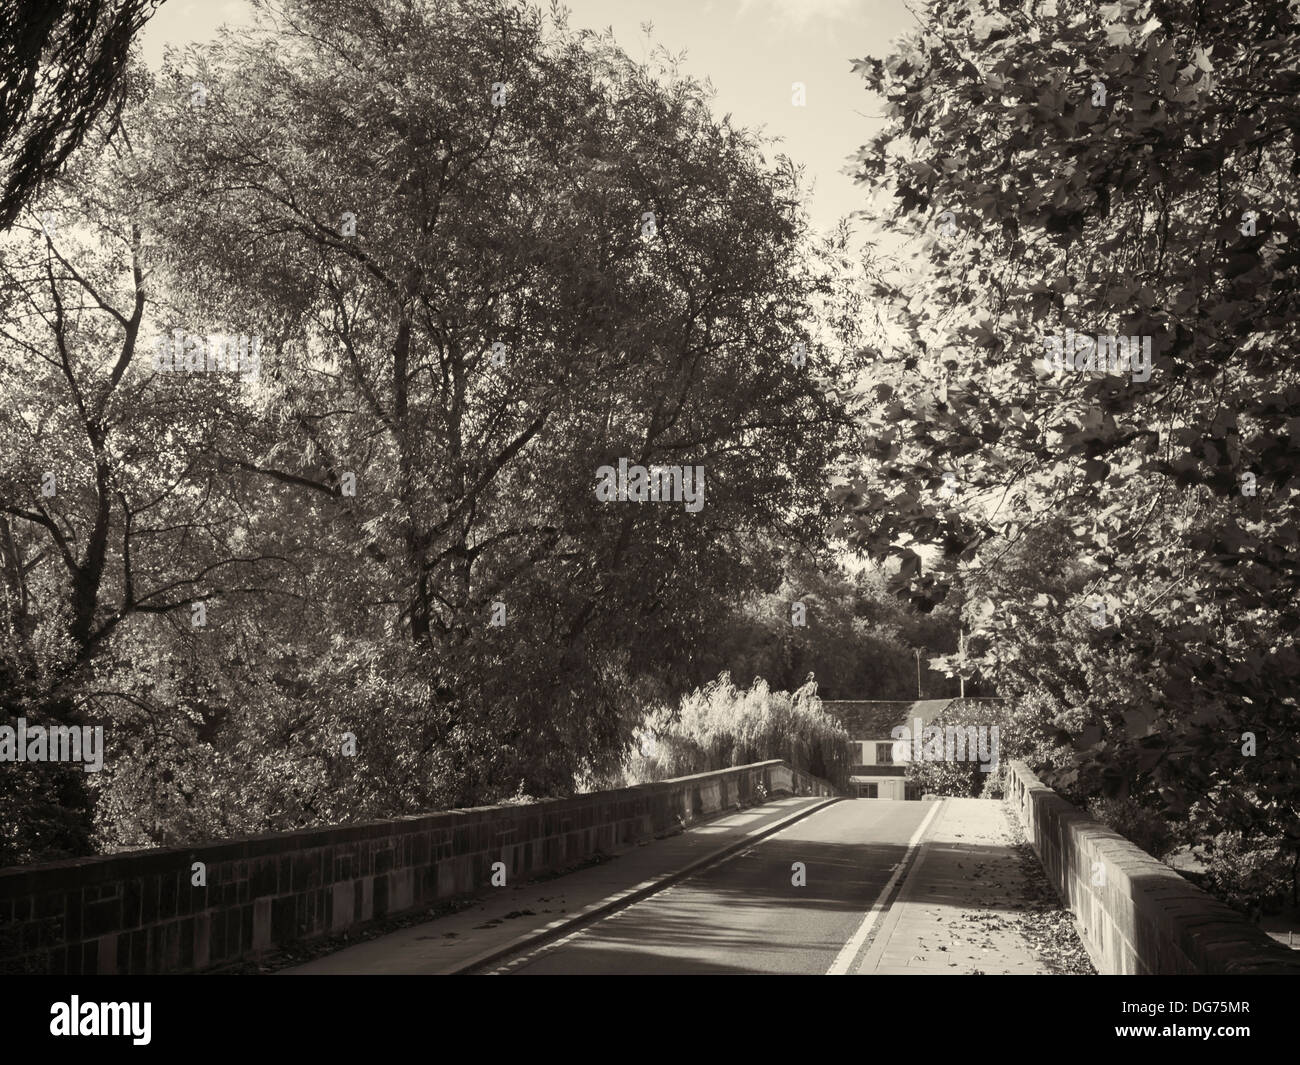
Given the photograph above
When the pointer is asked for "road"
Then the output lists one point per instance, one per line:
(746, 915)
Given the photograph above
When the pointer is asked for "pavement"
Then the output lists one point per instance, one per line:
(799, 885)
(956, 912)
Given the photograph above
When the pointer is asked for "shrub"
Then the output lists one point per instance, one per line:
(1135, 823)
(995, 785)
(965, 778)
(1249, 875)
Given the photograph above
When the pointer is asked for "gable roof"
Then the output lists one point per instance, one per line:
(873, 719)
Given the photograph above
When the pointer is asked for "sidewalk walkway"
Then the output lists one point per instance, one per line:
(957, 910)
(510, 914)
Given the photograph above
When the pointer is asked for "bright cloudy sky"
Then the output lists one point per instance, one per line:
(751, 49)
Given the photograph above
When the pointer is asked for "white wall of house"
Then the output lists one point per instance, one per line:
(886, 787)
(877, 752)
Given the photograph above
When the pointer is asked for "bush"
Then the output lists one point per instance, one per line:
(964, 778)
(1250, 876)
(1135, 823)
(995, 785)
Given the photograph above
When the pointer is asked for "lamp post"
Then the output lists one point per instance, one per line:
(961, 673)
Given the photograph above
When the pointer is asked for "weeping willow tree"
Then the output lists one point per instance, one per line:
(61, 63)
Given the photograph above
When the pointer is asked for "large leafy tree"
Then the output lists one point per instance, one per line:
(345, 187)
(398, 189)
(523, 225)
(1126, 548)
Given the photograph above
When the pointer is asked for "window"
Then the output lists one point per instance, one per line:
(884, 754)
(868, 791)
(857, 755)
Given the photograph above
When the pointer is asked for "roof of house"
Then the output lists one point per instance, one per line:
(873, 719)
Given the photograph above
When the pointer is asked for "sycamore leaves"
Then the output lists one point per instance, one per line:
(1058, 194)
(1163, 207)
(988, 26)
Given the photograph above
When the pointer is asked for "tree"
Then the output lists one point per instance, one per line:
(812, 617)
(112, 513)
(1126, 169)
(559, 260)
(393, 527)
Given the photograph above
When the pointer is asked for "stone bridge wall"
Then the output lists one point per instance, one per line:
(1137, 914)
(138, 913)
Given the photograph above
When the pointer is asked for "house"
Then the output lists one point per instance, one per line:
(875, 773)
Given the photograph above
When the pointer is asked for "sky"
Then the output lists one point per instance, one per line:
(752, 50)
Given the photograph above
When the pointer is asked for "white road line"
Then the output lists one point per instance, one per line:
(849, 951)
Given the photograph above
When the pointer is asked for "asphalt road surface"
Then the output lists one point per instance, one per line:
(746, 915)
